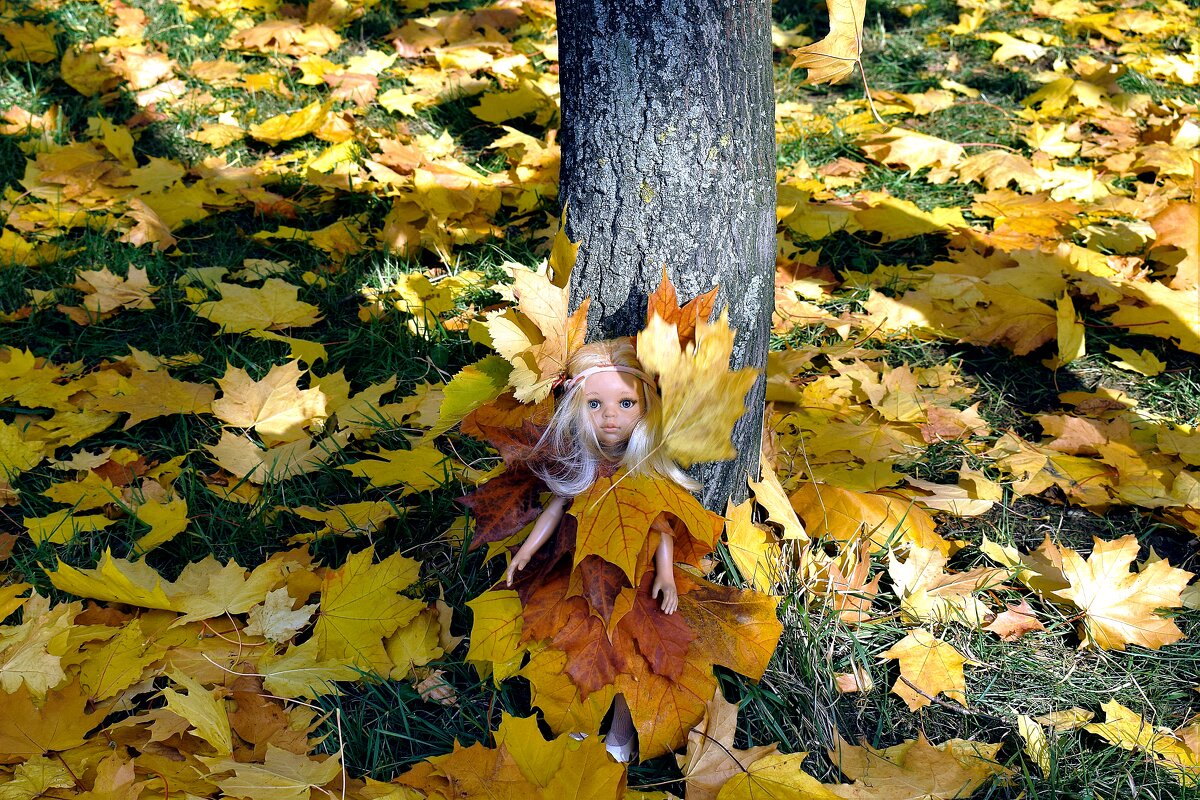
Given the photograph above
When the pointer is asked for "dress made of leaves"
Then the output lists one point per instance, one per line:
(580, 624)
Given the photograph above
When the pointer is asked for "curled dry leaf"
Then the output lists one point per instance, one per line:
(832, 59)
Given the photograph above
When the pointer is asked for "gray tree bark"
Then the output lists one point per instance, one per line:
(668, 159)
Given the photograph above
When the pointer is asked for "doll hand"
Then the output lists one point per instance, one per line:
(518, 563)
(664, 584)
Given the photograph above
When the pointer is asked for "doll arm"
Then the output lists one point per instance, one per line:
(543, 527)
(664, 569)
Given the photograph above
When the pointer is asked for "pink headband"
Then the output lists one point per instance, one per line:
(587, 373)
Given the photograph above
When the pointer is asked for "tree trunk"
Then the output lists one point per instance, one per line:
(668, 159)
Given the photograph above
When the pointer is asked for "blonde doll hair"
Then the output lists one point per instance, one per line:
(568, 455)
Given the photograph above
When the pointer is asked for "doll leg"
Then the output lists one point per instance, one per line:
(621, 742)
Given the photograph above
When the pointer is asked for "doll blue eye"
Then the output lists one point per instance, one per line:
(593, 404)
(627, 403)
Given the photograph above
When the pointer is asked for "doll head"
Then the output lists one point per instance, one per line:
(609, 412)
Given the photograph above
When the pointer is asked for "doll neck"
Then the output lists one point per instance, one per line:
(610, 460)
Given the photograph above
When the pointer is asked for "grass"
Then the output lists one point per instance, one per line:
(384, 726)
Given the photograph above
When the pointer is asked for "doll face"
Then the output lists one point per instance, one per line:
(613, 401)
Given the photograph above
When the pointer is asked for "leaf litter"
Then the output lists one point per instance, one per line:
(201, 682)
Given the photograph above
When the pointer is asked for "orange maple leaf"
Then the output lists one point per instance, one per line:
(665, 303)
(60, 723)
(615, 516)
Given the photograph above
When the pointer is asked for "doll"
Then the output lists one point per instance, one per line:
(609, 416)
(604, 608)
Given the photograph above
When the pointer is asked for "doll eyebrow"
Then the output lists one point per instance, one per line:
(628, 395)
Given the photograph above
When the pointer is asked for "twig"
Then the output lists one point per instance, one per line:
(966, 712)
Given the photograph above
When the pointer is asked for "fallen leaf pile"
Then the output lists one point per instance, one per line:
(265, 288)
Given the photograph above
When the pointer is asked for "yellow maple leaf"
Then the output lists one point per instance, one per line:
(361, 605)
(1070, 332)
(496, 634)
(288, 36)
(755, 551)
(300, 671)
(833, 58)
(61, 527)
(415, 644)
(420, 469)
(18, 455)
(274, 618)
(276, 408)
(841, 581)
(274, 306)
(527, 97)
(701, 397)
(33, 382)
(146, 395)
(115, 580)
(1037, 746)
(151, 227)
(769, 494)
(167, 519)
(31, 653)
(283, 775)
(928, 667)
(247, 460)
(218, 135)
(348, 519)
(537, 337)
(776, 776)
(106, 293)
(1011, 47)
(29, 42)
(1119, 605)
(1129, 730)
(1144, 363)
(9, 600)
(205, 713)
(915, 768)
(37, 776)
(929, 594)
(615, 516)
(118, 663)
(475, 385)
(523, 764)
(847, 515)
(911, 149)
(285, 127)
(60, 723)
(1160, 311)
(207, 588)
(90, 492)
(307, 351)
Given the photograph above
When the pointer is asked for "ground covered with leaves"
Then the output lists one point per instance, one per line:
(256, 283)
